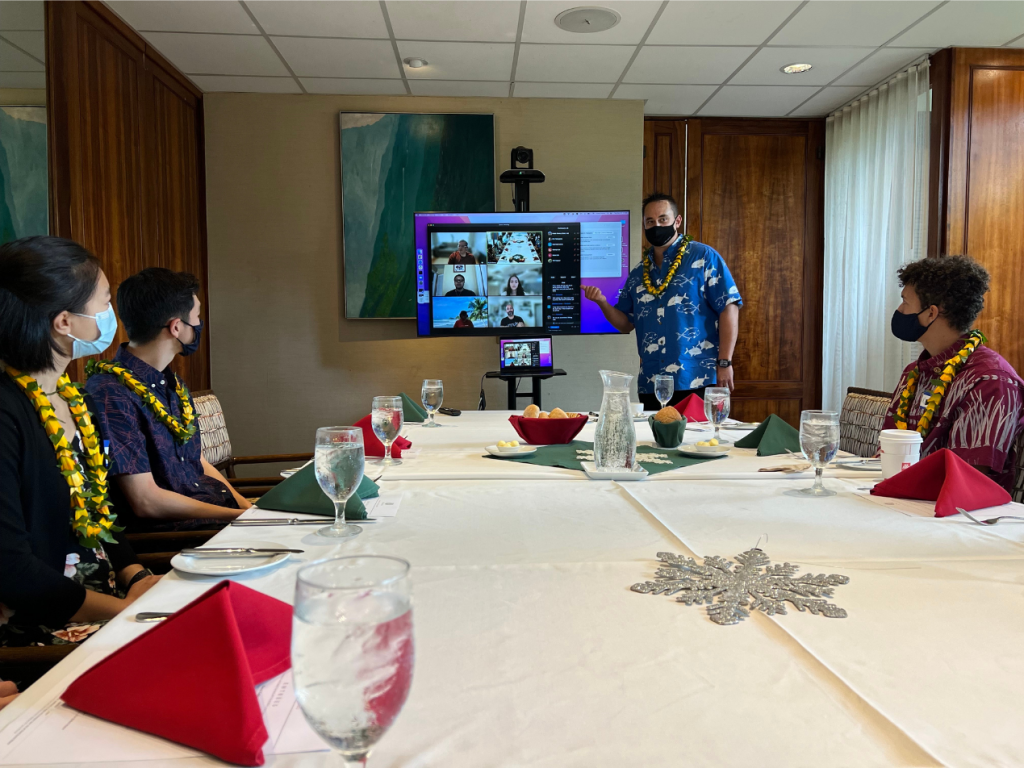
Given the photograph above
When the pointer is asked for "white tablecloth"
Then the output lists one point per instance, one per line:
(531, 650)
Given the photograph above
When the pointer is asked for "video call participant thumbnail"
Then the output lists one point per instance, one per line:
(463, 320)
(459, 280)
(459, 312)
(461, 255)
(515, 280)
(511, 318)
(524, 312)
(460, 287)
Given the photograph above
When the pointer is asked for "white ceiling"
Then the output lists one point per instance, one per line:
(684, 57)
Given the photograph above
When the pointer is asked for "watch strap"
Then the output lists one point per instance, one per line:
(138, 576)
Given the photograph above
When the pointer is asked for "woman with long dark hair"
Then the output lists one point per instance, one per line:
(514, 286)
(64, 565)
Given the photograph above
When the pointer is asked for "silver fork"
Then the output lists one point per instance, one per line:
(990, 521)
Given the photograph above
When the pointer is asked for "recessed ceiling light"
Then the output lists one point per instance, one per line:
(587, 18)
(415, 63)
(795, 69)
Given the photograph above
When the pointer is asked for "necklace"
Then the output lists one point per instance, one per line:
(92, 519)
(183, 430)
(951, 368)
(660, 289)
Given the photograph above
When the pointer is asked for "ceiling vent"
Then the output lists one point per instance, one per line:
(587, 18)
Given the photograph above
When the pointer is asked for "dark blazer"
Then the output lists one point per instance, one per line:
(35, 519)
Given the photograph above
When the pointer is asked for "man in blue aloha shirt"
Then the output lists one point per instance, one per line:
(687, 328)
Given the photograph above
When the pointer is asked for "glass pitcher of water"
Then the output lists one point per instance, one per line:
(615, 438)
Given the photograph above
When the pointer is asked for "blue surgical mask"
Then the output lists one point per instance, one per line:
(106, 322)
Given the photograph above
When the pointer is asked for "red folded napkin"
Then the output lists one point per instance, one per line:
(192, 678)
(692, 407)
(374, 447)
(946, 479)
(547, 431)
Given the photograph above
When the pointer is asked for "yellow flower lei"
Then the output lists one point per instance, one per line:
(952, 367)
(657, 291)
(93, 520)
(183, 430)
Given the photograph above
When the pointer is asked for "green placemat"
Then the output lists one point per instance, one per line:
(565, 456)
(773, 437)
(301, 493)
(411, 410)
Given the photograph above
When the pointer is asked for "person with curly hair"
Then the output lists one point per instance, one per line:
(980, 406)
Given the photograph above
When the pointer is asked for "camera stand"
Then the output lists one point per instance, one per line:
(513, 382)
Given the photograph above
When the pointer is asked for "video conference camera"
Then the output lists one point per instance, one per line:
(521, 178)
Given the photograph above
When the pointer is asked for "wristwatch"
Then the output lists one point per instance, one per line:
(138, 576)
(722, 363)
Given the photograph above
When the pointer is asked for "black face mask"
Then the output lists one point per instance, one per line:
(192, 346)
(908, 327)
(659, 236)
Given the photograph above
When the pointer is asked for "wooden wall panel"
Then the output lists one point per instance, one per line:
(755, 192)
(978, 195)
(125, 144)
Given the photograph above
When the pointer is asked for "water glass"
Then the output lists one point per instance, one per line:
(352, 649)
(716, 407)
(664, 387)
(338, 461)
(819, 442)
(432, 396)
(387, 419)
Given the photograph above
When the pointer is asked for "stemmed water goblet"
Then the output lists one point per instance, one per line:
(716, 407)
(819, 443)
(664, 387)
(352, 649)
(432, 396)
(338, 462)
(387, 418)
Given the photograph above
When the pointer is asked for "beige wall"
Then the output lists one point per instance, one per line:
(23, 97)
(284, 359)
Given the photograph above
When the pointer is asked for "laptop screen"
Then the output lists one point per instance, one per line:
(526, 353)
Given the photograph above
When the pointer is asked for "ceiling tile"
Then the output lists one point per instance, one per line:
(13, 60)
(463, 20)
(967, 23)
(563, 90)
(686, 66)
(32, 42)
(22, 79)
(828, 100)
(667, 99)
(827, 65)
(539, 25)
(459, 61)
(237, 84)
(458, 88)
(756, 101)
(713, 22)
(217, 54)
(572, 63)
(353, 86)
(851, 22)
(881, 64)
(169, 16)
(318, 57)
(21, 14)
(354, 18)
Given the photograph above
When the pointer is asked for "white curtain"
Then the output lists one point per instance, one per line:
(876, 216)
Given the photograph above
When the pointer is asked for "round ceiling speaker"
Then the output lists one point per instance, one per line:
(587, 18)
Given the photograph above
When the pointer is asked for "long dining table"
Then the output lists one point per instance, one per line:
(531, 649)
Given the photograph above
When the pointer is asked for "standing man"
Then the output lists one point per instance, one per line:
(684, 305)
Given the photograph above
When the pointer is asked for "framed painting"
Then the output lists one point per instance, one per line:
(24, 200)
(393, 165)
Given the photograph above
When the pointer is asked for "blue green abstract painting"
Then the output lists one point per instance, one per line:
(392, 166)
(23, 181)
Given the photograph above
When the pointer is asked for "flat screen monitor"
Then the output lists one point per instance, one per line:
(525, 353)
(517, 274)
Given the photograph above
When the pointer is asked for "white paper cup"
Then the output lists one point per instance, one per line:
(901, 448)
(638, 409)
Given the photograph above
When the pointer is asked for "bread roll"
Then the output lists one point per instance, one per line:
(531, 412)
(668, 415)
(558, 413)
(544, 415)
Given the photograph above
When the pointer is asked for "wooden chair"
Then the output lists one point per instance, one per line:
(861, 420)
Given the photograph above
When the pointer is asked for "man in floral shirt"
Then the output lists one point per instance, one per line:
(982, 409)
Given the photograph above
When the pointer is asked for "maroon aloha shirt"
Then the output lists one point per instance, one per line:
(979, 417)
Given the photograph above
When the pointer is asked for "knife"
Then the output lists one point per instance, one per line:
(151, 616)
(239, 551)
(293, 521)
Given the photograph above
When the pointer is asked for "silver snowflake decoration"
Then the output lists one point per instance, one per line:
(732, 590)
